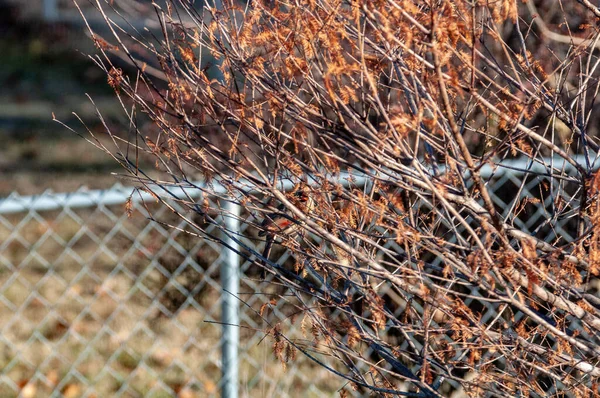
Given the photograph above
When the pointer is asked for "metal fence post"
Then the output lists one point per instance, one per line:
(230, 318)
(50, 10)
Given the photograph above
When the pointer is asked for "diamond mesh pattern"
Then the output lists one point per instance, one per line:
(95, 303)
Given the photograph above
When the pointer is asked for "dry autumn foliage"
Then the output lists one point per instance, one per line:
(385, 112)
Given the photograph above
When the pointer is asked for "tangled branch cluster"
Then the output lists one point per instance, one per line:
(383, 113)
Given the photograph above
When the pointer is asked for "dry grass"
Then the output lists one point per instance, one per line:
(100, 319)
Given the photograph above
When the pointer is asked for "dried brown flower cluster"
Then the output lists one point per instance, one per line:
(409, 277)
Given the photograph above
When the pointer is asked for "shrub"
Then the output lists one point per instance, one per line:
(382, 116)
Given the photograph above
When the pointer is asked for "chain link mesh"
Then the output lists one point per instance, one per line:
(95, 303)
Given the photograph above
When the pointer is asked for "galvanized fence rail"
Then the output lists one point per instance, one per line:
(94, 303)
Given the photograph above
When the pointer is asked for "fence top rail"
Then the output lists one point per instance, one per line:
(119, 194)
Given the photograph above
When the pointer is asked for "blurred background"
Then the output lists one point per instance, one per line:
(45, 70)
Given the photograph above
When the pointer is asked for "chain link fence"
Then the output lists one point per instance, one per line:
(96, 303)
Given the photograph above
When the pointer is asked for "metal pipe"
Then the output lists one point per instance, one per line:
(230, 281)
(50, 10)
(120, 194)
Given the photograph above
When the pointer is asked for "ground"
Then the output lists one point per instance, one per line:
(42, 74)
